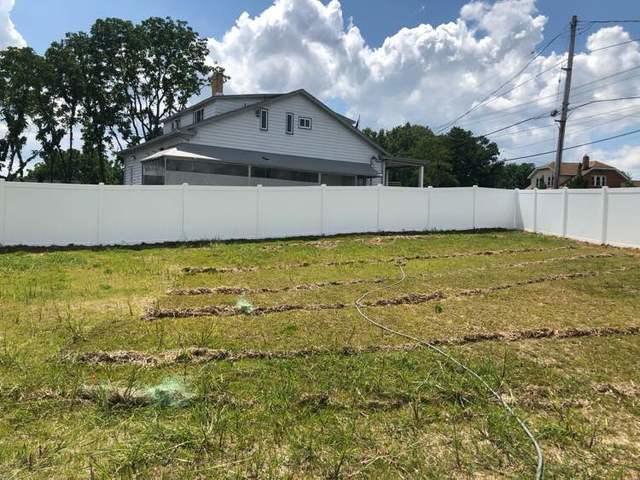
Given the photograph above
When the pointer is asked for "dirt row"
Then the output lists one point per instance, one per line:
(231, 290)
(364, 261)
(198, 355)
(155, 312)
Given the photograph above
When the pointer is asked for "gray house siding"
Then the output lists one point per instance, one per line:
(327, 138)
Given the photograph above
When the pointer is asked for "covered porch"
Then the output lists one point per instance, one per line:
(394, 165)
(208, 165)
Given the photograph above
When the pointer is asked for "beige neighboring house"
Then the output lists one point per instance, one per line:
(597, 174)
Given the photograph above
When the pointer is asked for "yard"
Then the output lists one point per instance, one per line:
(249, 359)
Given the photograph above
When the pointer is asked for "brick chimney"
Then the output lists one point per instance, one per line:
(218, 79)
(585, 163)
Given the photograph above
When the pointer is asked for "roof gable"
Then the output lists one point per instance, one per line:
(341, 119)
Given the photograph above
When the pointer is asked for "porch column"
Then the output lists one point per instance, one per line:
(249, 176)
(421, 177)
(386, 177)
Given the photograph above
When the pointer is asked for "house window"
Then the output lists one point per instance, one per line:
(264, 119)
(198, 115)
(206, 166)
(175, 125)
(304, 122)
(599, 180)
(290, 123)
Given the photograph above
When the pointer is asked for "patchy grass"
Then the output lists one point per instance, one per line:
(320, 393)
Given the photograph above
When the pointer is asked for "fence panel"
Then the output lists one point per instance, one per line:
(290, 211)
(49, 214)
(350, 209)
(403, 209)
(549, 218)
(623, 217)
(220, 213)
(495, 208)
(137, 214)
(584, 215)
(452, 208)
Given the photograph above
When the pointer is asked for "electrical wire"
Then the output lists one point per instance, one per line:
(602, 100)
(614, 45)
(538, 117)
(511, 79)
(533, 155)
(539, 455)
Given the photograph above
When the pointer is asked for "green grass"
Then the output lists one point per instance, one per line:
(382, 414)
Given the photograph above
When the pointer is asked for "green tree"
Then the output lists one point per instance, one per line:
(514, 175)
(84, 168)
(474, 159)
(157, 65)
(17, 67)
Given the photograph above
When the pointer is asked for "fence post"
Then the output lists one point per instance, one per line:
(535, 210)
(379, 205)
(99, 214)
(516, 208)
(323, 189)
(258, 190)
(183, 233)
(565, 210)
(605, 214)
(3, 211)
(474, 208)
(429, 200)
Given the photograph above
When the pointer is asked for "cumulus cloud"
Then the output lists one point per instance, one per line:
(429, 74)
(9, 36)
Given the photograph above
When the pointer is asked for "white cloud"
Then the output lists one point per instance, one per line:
(626, 158)
(429, 74)
(9, 36)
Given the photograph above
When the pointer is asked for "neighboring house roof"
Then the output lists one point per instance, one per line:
(570, 169)
(266, 159)
(346, 122)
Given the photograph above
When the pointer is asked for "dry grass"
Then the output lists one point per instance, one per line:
(88, 389)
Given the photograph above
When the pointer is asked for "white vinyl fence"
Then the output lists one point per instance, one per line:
(600, 215)
(40, 214)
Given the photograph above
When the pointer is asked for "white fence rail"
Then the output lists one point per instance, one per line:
(39, 214)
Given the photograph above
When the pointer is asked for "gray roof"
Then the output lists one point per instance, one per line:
(213, 98)
(278, 160)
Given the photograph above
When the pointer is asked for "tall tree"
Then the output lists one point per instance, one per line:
(158, 66)
(17, 67)
(68, 86)
(475, 159)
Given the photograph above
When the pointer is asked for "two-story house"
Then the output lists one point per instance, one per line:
(269, 139)
(595, 174)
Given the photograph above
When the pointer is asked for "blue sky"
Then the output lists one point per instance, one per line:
(42, 21)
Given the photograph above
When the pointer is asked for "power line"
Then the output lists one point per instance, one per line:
(533, 155)
(615, 45)
(578, 120)
(538, 117)
(611, 21)
(552, 97)
(606, 100)
(468, 111)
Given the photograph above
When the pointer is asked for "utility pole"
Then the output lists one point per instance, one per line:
(565, 102)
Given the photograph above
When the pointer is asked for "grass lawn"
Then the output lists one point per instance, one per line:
(236, 360)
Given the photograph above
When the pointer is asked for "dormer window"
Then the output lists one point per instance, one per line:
(264, 119)
(198, 115)
(304, 123)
